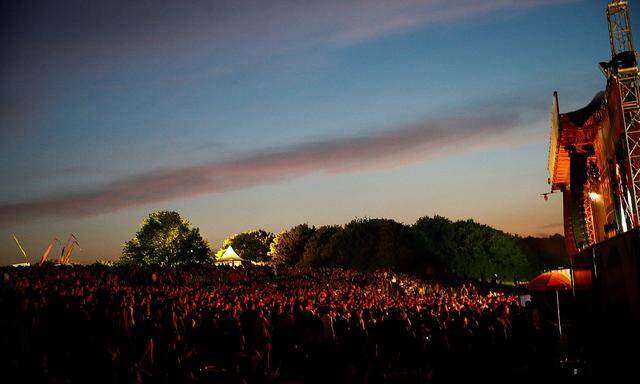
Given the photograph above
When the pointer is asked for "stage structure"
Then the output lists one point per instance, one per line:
(594, 155)
(594, 161)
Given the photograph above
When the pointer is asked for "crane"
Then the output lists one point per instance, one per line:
(24, 253)
(65, 254)
(45, 254)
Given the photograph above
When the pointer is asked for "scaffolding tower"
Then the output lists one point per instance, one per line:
(624, 68)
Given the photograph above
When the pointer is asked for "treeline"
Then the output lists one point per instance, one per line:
(433, 245)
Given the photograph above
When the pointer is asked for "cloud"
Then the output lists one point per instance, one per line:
(367, 152)
(218, 35)
(390, 17)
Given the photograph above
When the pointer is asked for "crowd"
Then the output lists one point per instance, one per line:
(257, 324)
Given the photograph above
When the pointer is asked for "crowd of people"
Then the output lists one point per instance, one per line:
(209, 324)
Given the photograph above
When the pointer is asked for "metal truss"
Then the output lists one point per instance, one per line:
(588, 218)
(624, 60)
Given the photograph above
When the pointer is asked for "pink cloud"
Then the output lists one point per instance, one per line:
(370, 152)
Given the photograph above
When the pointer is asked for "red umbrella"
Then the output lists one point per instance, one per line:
(552, 281)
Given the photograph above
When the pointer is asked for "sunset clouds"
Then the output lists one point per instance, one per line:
(366, 152)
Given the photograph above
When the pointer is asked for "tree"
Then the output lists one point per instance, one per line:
(484, 251)
(439, 238)
(545, 252)
(366, 244)
(249, 245)
(401, 246)
(473, 250)
(355, 245)
(288, 246)
(313, 250)
(166, 239)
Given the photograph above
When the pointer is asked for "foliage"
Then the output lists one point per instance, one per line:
(472, 250)
(367, 244)
(105, 263)
(439, 238)
(166, 239)
(545, 252)
(288, 246)
(462, 248)
(313, 250)
(250, 245)
(483, 251)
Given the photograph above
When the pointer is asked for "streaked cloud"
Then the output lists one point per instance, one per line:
(371, 20)
(223, 34)
(367, 152)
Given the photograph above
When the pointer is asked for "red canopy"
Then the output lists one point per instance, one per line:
(551, 281)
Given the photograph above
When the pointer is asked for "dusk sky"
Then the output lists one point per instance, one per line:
(265, 114)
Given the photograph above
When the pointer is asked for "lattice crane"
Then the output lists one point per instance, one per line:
(65, 254)
(45, 254)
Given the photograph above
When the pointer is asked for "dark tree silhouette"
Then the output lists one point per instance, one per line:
(463, 248)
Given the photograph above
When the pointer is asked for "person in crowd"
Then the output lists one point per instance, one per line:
(252, 325)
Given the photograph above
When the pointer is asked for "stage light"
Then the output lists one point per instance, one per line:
(594, 196)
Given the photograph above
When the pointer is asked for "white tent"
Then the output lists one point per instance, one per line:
(230, 257)
(20, 265)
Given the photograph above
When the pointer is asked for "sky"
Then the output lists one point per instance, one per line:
(266, 114)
